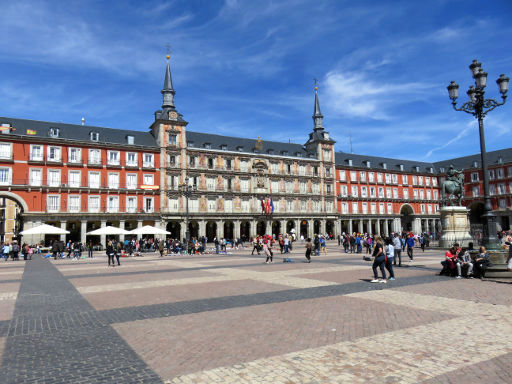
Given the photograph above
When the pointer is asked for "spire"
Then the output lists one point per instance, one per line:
(168, 90)
(317, 115)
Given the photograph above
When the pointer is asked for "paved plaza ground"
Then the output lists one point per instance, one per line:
(234, 319)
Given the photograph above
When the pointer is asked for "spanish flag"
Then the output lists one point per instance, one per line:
(31, 132)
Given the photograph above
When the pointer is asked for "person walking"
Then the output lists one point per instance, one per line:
(390, 256)
(397, 245)
(379, 260)
(161, 248)
(309, 247)
(352, 241)
(323, 245)
(55, 249)
(410, 247)
(267, 249)
(286, 244)
(119, 250)
(316, 244)
(110, 253)
(15, 250)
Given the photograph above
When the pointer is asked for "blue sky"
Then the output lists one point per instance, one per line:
(246, 68)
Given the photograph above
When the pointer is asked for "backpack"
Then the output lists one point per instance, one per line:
(15, 248)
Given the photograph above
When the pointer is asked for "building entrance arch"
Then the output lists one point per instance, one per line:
(316, 227)
(12, 208)
(193, 229)
(229, 229)
(245, 230)
(175, 228)
(329, 227)
(276, 228)
(406, 217)
(211, 230)
(304, 228)
(261, 228)
(289, 226)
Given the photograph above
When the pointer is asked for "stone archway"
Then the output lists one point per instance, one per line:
(193, 229)
(175, 228)
(245, 230)
(11, 220)
(406, 217)
(276, 228)
(329, 227)
(304, 228)
(261, 228)
(316, 227)
(289, 226)
(211, 230)
(229, 227)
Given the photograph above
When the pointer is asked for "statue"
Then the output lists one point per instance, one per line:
(453, 187)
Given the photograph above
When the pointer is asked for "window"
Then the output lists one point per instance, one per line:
(53, 203)
(491, 174)
(390, 208)
(36, 152)
(344, 208)
(364, 191)
(355, 192)
(74, 179)
(429, 194)
(130, 140)
(395, 193)
(422, 207)
(131, 159)
(441, 169)
(492, 189)
(244, 185)
(148, 204)
(388, 178)
(36, 177)
(427, 181)
(207, 145)
(74, 203)
(5, 151)
(434, 182)
(381, 192)
(502, 203)
(5, 176)
(190, 144)
(212, 205)
(228, 163)
(362, 176)
(223, 147)
(401, 167)
(192, 161)
(113, 180)
(94, 204)
(388, 193)
(355, 207)
(501, 173)
(353, 176)
(148, 160)
(54, 154)
(381, 208)
(475, 177)
(246, 206)
(74, 155)
(509, 171)
(435, 194)
(244, 166)
(94, 156)
(420, 180)
(274, 167)
(240, 149)
(113, 203)
(343, 191)
(429, 209)
(404, 180)
(406, 193)
(54, 177)
(365, 208)
(172, 139)
(379, 177)
(502, 189)
(373, 208)
(131, 181)
(149, 180)
(371, 177)
(422, 194)
(173, 205)
(414, 180)
(415, 194)
(94, 179)
(372, 192)
(289, 169)
(131, 204)
(210, 163)
(113, 158)
(95, 136)
(394, 178)
(53, 132)
(476, 191)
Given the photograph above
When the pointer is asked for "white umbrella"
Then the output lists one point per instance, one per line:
(45, 229)
(108, 230)
(149, 230)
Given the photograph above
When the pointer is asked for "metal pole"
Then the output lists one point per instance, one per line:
(187, 232)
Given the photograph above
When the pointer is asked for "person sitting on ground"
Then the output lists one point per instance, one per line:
(481, 263)
(465, 263)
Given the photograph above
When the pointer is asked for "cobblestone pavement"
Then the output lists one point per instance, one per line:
(234, 319)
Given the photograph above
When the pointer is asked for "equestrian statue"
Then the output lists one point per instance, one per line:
(453, 187)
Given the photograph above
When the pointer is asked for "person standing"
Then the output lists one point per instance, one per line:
(55, 249)
(397, 245)
(286, 244)
(316, 244)
(390, 256)
(90, 249)
(509, 258)
(15, 250)
(352, 241)
(379, 260)
(309, 247)
(323, 245)
(410, 246)
(267, 250)
(119, 250)
(110, 253)
(161, 248)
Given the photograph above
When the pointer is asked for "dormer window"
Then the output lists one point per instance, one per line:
(284, 153)
(401, 167)
(239, 149)
(53, 132)
(130, 139)
(384, 165)
(500, 160)
(475, 164)
(298, 154)
(441, 169)
(270, 151)
(223, 147)
(95, 136)
(349, 162)
(417, 168)
(207, 145)
(190, 144)
(431, 170)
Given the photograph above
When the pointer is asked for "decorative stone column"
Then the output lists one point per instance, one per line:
(386, 227)
(121, 225)
(202, 228)
(370, 230)
(236, 229)
(323, 226)
(350, 227)
(282, 226)
(310, 228)
(83, 231)
(377, 227)
(103, 238)
(220, 229)
(360, 226)
(63, 226)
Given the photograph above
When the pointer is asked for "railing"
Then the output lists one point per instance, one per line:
(28, 182)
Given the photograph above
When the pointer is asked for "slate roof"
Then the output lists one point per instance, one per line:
(78, 132)
(359, 161)
(247, 145)
(466, 162)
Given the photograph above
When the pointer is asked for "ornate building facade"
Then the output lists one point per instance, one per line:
(82, 177)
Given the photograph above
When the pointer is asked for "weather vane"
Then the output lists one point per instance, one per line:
(316, 83)
(168, 51)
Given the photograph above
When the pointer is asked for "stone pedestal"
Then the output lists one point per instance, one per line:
(455, 224)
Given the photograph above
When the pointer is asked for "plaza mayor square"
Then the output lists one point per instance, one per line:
(235, 191)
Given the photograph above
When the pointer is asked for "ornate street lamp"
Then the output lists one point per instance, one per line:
(187, 190)
(479, 106)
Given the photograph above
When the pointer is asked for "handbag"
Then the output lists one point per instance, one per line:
(367, 258)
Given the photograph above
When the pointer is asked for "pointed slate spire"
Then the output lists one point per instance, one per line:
(168, 90)
(317, 115)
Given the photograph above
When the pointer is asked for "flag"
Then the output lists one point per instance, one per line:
(31, 132)
(267, 205)
(272, 204)
(262, 206)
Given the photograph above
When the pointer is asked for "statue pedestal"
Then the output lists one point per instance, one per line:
(455, 224)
